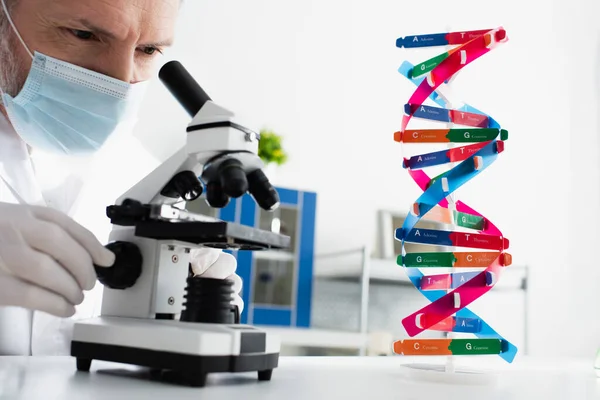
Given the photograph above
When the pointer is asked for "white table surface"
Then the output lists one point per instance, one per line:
(306, 378)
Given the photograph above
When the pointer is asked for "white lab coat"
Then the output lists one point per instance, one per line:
(82, 188)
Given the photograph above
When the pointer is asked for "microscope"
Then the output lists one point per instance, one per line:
(155, 312)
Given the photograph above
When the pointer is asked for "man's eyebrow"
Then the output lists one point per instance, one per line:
(103, 32)
(96, 29)
(162, 43)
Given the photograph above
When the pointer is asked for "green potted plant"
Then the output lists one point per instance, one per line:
(271, 152)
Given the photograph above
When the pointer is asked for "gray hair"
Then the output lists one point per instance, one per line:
(4, 23)
(9, 65)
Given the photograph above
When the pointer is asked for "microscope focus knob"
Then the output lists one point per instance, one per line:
(126, 269)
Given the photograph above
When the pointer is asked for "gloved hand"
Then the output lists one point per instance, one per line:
(46, 259)
(216, 264)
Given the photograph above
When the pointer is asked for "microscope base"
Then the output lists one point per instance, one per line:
(181, 351)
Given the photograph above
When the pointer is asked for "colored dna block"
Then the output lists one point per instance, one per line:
(458, 135)
(466, 325)
(458, 324)
(428, 112)
(458, 279)
(428, 260)
(470, 141)
(469, 119)
(448, 347)
(446, 216)
(440, 39)
(449, 281)
(458, 117)
(442, 157)
(452, 324)
(456, 239)
(448, 259)
(436, 282)
(429, 65)
(436, 39)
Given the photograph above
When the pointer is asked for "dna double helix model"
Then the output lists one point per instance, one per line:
(480, 248)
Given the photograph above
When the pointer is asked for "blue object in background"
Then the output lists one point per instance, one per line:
(277, 289)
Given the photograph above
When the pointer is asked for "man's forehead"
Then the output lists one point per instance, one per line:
(146, 20)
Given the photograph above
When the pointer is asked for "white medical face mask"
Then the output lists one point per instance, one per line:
(66, 109)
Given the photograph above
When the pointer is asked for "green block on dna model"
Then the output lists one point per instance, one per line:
(475, 346)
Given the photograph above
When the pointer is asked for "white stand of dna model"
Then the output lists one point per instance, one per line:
(450, 367)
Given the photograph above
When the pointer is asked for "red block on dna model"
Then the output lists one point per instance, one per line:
(464, 143)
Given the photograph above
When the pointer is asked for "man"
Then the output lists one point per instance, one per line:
(71, 75)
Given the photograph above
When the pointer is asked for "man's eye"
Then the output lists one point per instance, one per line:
(83, 35)
(150, 50)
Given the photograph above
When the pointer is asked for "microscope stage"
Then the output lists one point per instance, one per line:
(192, 349)
(225, 235)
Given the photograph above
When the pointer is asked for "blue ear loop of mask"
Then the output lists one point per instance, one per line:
(66, 109)
(14, 28)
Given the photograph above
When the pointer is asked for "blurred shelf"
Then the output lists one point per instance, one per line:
(380, 270)
(313, 337)
(387, 271)
(274, 255)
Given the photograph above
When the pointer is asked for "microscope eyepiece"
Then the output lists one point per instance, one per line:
(261, 189)
(183, 87)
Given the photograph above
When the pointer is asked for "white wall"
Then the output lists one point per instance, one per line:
(323, 73)
(581, 34)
